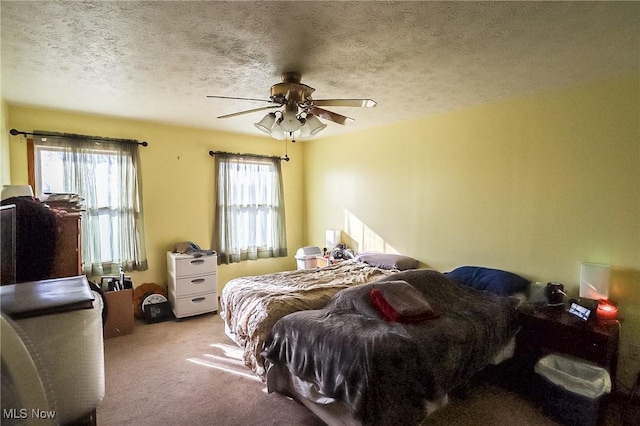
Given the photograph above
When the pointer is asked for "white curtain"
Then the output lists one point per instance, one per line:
(249, 213)
(107, 176)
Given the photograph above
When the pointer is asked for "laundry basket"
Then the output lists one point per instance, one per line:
(572, 389)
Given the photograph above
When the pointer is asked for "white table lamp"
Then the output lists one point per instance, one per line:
(594, 280)
(332, 238)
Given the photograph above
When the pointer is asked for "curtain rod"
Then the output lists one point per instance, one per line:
(15, 132)
(285, 158)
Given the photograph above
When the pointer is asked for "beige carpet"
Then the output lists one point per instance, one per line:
(189, 372)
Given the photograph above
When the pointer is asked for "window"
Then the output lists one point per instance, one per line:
(106, 176)
(250, 219)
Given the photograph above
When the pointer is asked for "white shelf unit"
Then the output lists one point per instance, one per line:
(193, 284)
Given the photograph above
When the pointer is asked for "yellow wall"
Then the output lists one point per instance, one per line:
(177, 182)
(5, 163)
(535, 185)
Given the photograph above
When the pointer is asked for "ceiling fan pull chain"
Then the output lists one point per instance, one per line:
(286, 151)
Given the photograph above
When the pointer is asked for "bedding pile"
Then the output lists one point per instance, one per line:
(385, 371)
(251, 305)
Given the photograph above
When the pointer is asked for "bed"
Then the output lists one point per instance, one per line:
(350, 365)
(251, 305)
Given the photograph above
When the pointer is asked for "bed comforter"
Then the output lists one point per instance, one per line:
(250, 306)
(385, 371)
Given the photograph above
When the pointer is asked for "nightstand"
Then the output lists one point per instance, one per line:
(546, 330)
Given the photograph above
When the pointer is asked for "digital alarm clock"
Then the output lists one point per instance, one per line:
(583, 308)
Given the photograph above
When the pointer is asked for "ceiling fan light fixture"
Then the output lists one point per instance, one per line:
(305, 131)
(278, 133)
(314, 125)
(289, 121)
(267, 123)
(299, 112)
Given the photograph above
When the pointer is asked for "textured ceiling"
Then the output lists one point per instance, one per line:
(158, 60)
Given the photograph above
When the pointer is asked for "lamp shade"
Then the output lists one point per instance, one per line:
(314, 125)
(289, 122)
(332, 237)
(278, 133)
(267, 122)
(305, 131)
(9, 191)
(594, 280)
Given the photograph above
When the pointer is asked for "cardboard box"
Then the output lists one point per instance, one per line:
(119, 313)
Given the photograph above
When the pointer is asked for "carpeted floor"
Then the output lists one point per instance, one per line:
(189, 372)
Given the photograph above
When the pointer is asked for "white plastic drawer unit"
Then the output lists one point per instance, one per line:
(194, 305)
(188, 265)
(196, 284)
(193, 284)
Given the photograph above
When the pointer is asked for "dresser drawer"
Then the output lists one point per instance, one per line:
(196, 284)
(188, 265)
(194, 305)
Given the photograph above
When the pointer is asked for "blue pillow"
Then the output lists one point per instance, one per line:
(495, 281)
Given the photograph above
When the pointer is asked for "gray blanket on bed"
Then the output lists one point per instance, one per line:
(385, 371)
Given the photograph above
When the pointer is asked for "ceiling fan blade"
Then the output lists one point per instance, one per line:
(249, 111)
(239, 99)
(331, 116)
(361, 103)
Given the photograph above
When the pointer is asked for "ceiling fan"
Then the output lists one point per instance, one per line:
(300, 112)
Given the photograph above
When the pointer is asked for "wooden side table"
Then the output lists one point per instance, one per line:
(547, 330)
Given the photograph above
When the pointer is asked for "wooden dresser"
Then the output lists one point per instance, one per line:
(68, 253)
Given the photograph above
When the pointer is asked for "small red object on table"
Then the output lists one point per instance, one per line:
(607, 310)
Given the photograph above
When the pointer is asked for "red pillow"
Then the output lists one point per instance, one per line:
(398, 301)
